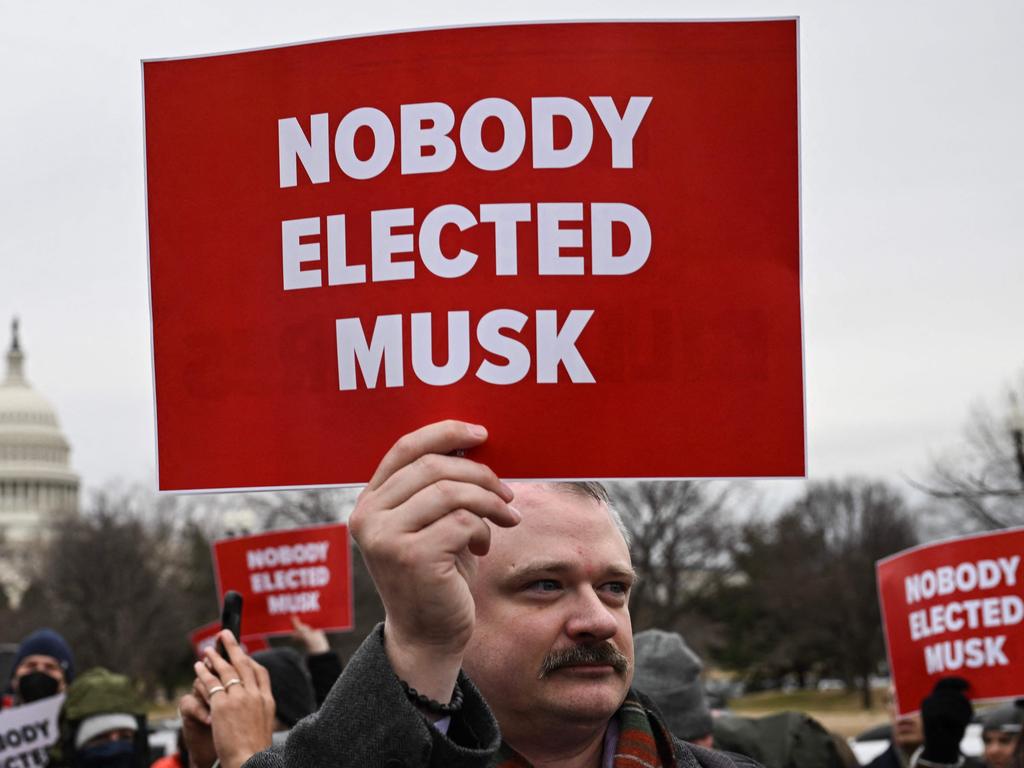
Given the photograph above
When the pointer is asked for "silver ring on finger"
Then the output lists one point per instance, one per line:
(216, 689)
(233, 681)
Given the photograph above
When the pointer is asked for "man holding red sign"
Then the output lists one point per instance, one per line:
(634, 269)
(498, 616)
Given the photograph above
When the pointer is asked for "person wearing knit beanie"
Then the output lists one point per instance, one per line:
(1000, 731)
(669, 673)
(43, 666)
(102, 724)
(290, 684)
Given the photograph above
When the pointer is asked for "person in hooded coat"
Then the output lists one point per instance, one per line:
(102, 724)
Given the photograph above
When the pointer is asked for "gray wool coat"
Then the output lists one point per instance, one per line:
(367, 721)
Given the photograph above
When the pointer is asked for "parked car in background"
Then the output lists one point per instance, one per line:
(831, 684)
(163, 737)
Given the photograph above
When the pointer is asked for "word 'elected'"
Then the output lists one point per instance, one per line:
(426, 145)
(295, 568)
(967, 614)
(300, 256)
(38, 756)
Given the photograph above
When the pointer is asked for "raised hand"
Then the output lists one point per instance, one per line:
(237, 699)
(420, 523)
(312, 639)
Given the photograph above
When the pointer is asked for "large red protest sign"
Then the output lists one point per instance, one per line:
(583, 236)
(304, 572)
(955, 608)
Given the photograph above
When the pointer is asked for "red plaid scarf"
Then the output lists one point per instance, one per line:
(644, 741)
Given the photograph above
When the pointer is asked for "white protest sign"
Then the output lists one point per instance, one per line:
(28, 731)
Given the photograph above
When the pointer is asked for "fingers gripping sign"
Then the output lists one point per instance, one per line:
(420, 523)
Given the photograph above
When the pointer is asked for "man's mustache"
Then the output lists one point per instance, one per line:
(600, 654)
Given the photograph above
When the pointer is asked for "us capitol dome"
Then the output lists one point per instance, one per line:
(36, 480)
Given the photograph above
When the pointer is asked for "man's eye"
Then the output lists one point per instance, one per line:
(544, 585)
(617, 587)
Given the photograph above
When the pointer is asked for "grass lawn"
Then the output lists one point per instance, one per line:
(838, 711)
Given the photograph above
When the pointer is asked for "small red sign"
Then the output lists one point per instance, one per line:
(584, 236)
(955, 608)
(304, 572)
(205, 637)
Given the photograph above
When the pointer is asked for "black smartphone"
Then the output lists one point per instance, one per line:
(231, 618)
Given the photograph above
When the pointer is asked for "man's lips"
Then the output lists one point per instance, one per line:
(587, 669)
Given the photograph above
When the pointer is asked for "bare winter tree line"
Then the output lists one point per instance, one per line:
(790, 594)
(127, 579)
(983, 477)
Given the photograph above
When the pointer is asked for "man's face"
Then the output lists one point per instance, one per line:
(907, 731)
(999, 748)
(38, 663)
(559, 580)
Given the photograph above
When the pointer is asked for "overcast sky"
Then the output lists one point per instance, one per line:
(913, 187)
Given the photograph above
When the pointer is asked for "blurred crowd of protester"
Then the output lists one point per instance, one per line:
(103, 720)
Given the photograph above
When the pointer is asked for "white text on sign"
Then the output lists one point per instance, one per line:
(973, 613)
(315, 251)
(279, 572)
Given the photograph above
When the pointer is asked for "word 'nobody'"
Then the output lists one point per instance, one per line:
(427, 146)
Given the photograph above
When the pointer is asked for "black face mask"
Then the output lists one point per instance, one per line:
(116, 754)
(35, 686)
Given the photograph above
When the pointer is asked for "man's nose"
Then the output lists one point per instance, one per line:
(591, 619)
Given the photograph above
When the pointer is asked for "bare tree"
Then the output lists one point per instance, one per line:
(127, 579)
(288, 509)
(109, 582)
(677, 529)
(984, 477)
(804, 598)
